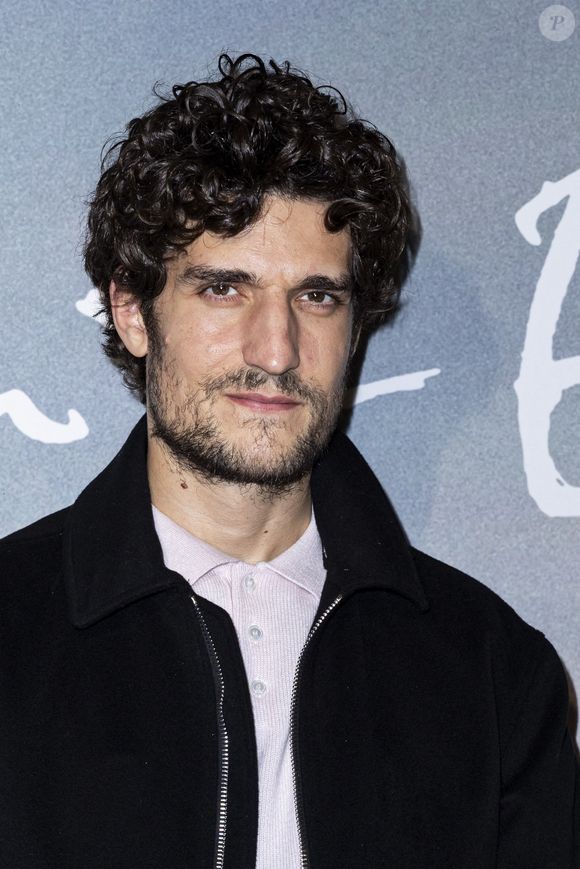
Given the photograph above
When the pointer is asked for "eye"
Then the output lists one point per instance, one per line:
(220, 291)
(320, 298)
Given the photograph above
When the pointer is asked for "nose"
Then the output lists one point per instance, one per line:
(270, 339)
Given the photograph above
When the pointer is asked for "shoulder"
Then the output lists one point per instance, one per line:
(455, 595)
(32, 554)
(45, 527)
(528, 678)
(479, 617)
(448, 586)
(33, 611)
(38, 535)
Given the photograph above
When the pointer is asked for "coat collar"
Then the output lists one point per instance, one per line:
(113, 555)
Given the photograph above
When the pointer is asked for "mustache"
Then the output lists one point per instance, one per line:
(288, 383)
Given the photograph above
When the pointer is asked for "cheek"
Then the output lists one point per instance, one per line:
(197, 351)
(324, 354)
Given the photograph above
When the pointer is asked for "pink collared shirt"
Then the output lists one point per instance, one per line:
(272, 606)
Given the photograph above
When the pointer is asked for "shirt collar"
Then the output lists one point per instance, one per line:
(183, 552)
(302, 563)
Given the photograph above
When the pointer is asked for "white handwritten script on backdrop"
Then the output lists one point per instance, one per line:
(542, 379)
(33, 423)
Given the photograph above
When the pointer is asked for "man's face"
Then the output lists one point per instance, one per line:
(248, 352)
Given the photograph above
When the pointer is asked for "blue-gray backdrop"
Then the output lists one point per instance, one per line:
(469, 404)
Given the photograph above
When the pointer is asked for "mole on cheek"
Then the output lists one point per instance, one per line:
(183, 484)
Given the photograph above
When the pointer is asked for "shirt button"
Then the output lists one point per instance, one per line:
(258, 688)
(255, 632)
(249, 582)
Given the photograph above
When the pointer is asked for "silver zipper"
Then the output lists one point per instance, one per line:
(304, 861)
(223, 745)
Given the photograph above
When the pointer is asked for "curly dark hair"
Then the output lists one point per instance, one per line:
(205, 158)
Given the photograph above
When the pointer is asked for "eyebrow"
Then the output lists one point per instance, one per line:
(207, 274)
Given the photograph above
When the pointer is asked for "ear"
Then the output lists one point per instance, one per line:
(128, 320)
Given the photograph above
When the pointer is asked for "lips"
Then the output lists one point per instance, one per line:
(265, 403)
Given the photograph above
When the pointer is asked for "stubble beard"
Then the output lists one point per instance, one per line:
(191, 433)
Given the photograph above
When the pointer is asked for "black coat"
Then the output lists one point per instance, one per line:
(429, 723)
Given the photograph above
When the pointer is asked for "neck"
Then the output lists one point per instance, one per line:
(238, 520)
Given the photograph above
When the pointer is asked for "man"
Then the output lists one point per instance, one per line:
(226, 653)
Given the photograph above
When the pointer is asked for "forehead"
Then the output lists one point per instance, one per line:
(289, 239)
